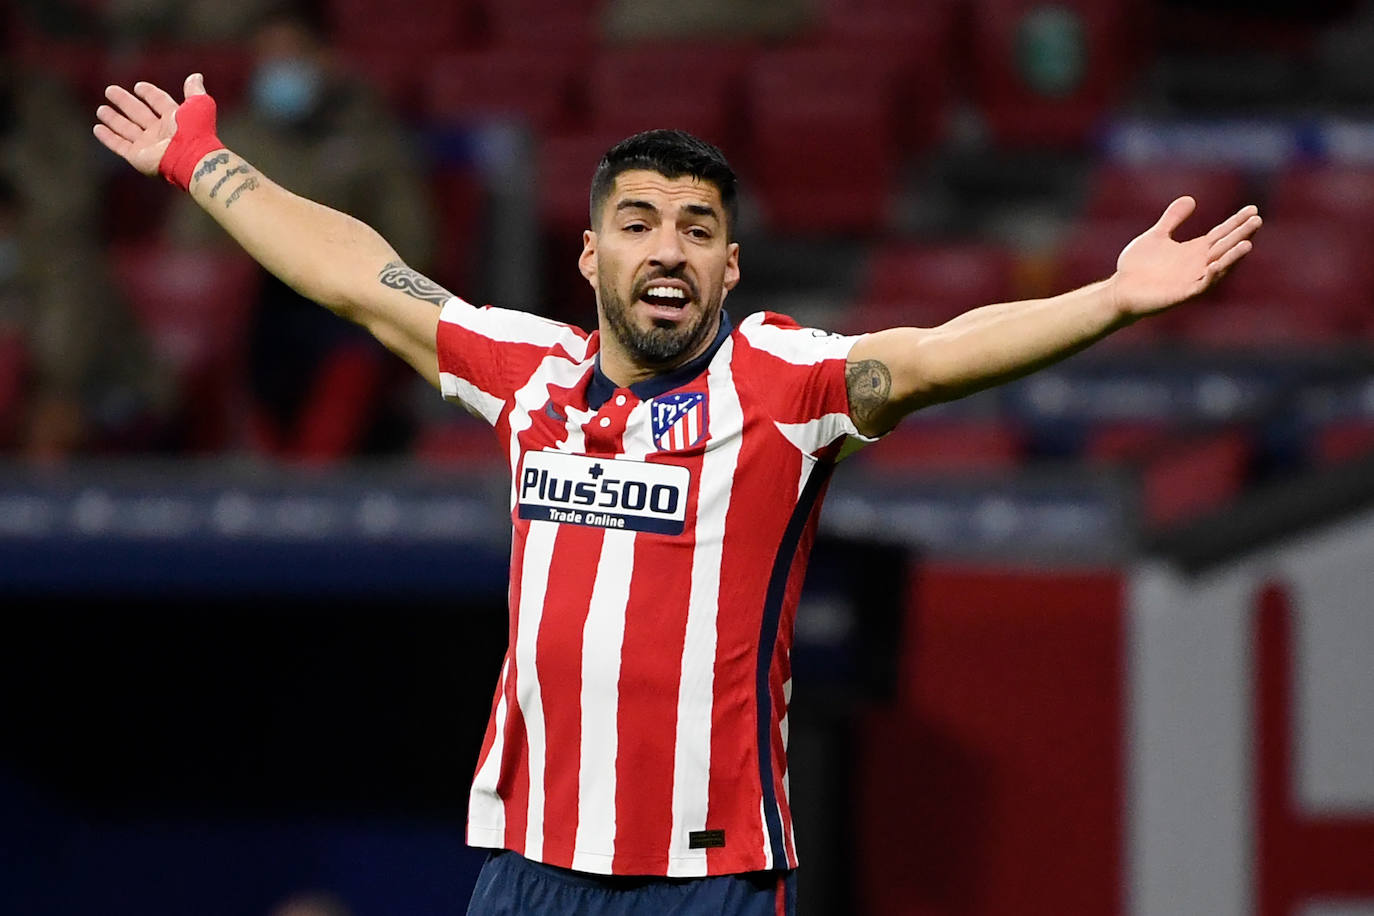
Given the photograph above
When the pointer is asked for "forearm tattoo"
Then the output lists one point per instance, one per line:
(248, 184)
(208, 166)
(398, 276)
(870, 384)
(236, 170)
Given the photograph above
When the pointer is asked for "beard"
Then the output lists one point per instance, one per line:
(656, 345)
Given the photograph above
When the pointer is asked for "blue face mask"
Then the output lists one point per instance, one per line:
(286, 91)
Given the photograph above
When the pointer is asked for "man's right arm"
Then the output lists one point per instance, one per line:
(325, 255)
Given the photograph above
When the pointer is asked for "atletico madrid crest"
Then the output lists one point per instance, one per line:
(679, 420)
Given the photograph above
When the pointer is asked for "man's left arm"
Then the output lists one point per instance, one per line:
(894, 372)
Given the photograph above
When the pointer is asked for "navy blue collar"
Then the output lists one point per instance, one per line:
(600, 388)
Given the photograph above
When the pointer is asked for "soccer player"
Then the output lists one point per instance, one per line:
(667, 470)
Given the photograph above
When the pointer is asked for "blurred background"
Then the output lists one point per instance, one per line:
(1093, 642)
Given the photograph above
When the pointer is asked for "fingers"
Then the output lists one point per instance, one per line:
(1239, 218)
(1176, 213)
(1242, 231)
(194, 85)
(1228, 259)
(111, 140)
(158, 99)
(117, 124)
(131, 106)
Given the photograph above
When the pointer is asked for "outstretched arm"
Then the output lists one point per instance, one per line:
(324, 255)
(894, 372)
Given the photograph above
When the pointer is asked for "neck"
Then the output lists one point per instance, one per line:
(622, 367)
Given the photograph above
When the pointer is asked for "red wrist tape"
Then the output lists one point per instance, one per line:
(194, 138)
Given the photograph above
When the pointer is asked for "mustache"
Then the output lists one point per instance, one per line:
(679, 273)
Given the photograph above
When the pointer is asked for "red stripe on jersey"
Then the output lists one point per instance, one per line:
(559, 659)
(767, 477)
(513, 785)
(650, 670)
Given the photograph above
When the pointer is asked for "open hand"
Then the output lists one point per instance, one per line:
(1155, 272)
(138, 126)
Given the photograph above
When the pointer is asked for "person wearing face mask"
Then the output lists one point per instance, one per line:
(311, 121)
(78, 371)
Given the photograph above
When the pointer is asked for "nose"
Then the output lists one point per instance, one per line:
(668, 252)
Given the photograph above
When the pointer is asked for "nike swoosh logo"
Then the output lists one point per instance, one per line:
(552, 413)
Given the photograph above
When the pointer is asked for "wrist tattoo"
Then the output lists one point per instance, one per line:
(236, 170)
(869, 383)
(398, 276)
(209, 165)
(249, 184)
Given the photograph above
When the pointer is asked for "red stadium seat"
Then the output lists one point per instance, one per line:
(566, 162)
(920, 40)
(194, 305)
(821, 140)
(1260, 326)
(1195, 478)
(460, 200)
(534, 86)
(1319, 271)
(1340, 195)
(1045, 75)
(1342, 441)
(422, 27)
(690, 86)
(948, 446)
(564, 24)
(924, 284)
(14, 365)
(1141, 192)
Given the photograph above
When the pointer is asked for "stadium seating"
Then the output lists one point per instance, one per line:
(948, 445)
(1340, 195)
(691, 86)
(1320, 271)
(531, 86)
(821, 140)
(921, 41)
(1024, 55)
(195, 304)
(14, 360)
(426, 28)
(925, 283)
(1141, 191)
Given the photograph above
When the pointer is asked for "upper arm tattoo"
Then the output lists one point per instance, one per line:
(398, 276)
(870, 384)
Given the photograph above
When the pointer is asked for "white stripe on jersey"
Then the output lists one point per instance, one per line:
(604, 630)
(510, 326)
(814, 435)
(486, 813)
(799, 346)
(691, 771)
(767, 846)
(553, 370)
(486, 406)
(534, 581)
(533, 584)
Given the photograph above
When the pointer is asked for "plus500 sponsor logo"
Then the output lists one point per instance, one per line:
(603, 492)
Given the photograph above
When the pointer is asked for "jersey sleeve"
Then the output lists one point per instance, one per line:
(486, 354)
(798, 374)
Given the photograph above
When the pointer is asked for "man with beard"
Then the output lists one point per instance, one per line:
(667, 471)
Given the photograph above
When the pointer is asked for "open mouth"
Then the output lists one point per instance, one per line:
(666, 297)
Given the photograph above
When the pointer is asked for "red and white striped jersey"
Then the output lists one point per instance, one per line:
(660, 536)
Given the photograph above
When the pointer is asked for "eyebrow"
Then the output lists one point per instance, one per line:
(703, 210)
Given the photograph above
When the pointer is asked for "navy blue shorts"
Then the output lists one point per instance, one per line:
(511, 885)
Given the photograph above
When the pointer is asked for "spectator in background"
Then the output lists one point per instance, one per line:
(322, 389)
(86, 377)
